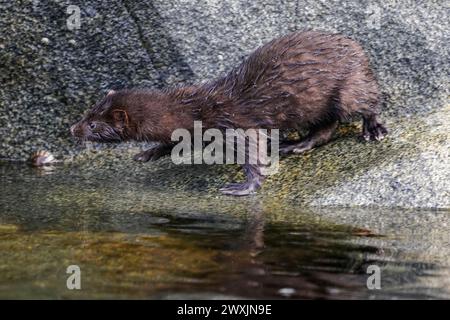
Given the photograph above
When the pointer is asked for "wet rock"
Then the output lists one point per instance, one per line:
(47, 84)
(410, 168)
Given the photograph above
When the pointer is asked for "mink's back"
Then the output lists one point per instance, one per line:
(292, 81)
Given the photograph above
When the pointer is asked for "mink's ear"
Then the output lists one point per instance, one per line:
(120, 118)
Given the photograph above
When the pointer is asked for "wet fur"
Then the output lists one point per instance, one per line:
(305, 81)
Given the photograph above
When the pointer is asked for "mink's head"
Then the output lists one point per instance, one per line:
(134, 114)
(106, 121)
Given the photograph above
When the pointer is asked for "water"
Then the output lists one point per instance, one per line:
(133, 240)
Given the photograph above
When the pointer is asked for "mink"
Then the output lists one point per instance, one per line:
(309, 81)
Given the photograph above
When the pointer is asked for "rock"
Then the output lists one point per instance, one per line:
(45, 88)
(410, 168)
(47, 85)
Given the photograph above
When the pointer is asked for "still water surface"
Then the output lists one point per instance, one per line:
(133, 241)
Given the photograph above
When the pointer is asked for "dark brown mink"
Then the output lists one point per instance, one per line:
(304, 81)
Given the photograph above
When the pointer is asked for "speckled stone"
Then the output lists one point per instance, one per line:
(47, 85)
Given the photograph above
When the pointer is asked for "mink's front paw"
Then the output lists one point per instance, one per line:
(239, 189)
(150, 155)
(143, 156)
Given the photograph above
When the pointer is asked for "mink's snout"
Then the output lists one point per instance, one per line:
(77, 130)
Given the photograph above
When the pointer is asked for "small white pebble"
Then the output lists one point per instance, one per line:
(72, 42)
(333, 291)
(45, 40)
(286, 292)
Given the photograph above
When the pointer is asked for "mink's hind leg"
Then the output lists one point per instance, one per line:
(253, 181)
(360, 95)
(372, 128)
(318, 136)
(154, 153)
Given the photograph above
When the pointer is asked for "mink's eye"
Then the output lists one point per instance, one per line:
(92, 125)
